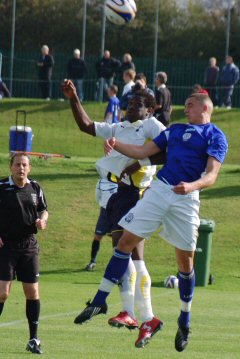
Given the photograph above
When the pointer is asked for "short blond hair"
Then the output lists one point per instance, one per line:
(203, 99)
(130, 73)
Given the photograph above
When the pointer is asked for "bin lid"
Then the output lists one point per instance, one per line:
(207, 225)
(20, 128)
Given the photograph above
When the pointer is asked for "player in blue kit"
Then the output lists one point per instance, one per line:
(195, 152)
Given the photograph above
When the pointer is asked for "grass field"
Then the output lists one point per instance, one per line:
(65, 247)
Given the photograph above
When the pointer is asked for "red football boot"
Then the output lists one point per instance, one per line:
(123, 319)
(146, 331)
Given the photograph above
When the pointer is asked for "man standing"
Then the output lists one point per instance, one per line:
(106, 68)
(229, 77)
(127, 64)
(163, 96)
(45, 66)
(210, 80)
(23, 211)
(195, 152)
(76, 71)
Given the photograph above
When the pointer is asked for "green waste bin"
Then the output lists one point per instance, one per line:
(203, 252)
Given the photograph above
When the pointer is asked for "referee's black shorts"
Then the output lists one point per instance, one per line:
(20, 260)
(120, 203)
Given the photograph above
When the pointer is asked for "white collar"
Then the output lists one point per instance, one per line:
(13, 184)
(161, 86)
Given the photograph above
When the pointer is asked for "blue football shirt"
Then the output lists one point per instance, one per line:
(113, 108)
(188, 148)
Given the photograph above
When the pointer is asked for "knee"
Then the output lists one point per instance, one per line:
(3, 296)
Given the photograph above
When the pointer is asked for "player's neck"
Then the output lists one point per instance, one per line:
(19, 182)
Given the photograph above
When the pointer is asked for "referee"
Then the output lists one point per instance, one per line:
(23, 210)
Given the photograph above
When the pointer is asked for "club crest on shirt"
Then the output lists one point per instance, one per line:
(129, 217)
(187, 136)
(34, 198)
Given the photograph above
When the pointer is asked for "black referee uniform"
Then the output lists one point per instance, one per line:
(19, 209)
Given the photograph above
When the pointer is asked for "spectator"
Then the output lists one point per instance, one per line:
(128, 77)
(111, 113)
(4, 92)
(210, 80)
(229, 77)
(106, 68)
(197, 88)
(45, 66)
(163, 97)
(140, 84)
(76, 71)
(127, 64)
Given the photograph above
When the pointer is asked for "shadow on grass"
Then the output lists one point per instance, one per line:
(41, 105)
(158, 284)
(228, 191)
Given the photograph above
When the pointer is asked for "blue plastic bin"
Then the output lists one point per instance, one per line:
(20, 138)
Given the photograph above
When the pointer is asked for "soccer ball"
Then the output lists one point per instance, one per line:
(120, 12)
(171, 282)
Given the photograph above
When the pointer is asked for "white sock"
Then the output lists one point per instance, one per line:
(143, 291)
(127, 289)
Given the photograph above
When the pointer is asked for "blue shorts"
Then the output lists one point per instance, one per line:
(120, 203)
(103, 225)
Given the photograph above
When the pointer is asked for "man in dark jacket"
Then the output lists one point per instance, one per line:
(229, 77)
(210, 80)
(106, 68)
(163, 97)
(127, 64)
(76, 71)
(45, 66)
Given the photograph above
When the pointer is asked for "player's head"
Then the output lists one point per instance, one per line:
(141, 79)
(45, 50)
(140, 106)
(76, 54)
(161, 78)
(198, 108)
(20, 166)
(212, 61)
(129, 75)
(112, 90)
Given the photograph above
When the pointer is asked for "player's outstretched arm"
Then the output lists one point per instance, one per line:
(83, 121)
(209, 178)
(132, 151)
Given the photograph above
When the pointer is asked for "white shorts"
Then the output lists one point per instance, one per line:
(179, 215)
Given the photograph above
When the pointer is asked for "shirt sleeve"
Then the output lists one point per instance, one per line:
(162, 140)
(218, 147)
(152, 128)
(42, 204)
(104, 130)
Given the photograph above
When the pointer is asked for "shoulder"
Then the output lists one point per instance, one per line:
(4, 181)
(35, 185)
(215, 130)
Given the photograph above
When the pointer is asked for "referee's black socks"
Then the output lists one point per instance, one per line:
(32, 313)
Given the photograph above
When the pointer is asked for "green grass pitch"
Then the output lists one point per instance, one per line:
(65, 249)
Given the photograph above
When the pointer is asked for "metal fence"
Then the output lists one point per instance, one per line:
(182, 75)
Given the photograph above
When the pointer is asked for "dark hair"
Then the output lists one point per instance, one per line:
(114, 88)
(14, 155)
(148, 100)
(140, 76)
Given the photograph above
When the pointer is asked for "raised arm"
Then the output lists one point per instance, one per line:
(209, 178)
(82, 119)
(133, 151)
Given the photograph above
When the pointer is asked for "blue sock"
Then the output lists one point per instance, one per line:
(186, 290)
(113, 273)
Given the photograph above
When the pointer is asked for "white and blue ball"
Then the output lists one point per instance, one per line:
(171, 281)
(120, 12)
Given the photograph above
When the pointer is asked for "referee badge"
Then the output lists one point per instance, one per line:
(129, 217)
(187, 136)
(34, 198)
